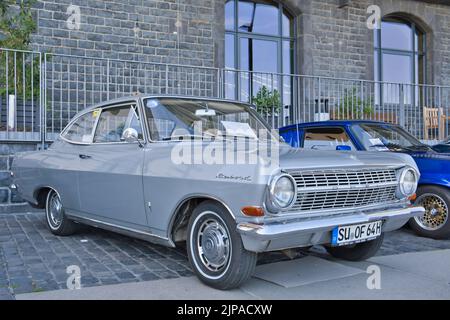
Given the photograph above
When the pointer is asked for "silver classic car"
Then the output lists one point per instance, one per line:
(212, 173)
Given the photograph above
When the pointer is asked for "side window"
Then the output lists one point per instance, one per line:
(81, 130)
(113, 122)
(326, 138)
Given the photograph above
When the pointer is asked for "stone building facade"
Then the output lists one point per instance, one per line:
(329, 38)
(332, 38)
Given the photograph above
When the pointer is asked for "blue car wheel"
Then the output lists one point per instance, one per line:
(435, 223)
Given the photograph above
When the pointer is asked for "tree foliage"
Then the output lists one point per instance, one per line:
(16, 23)
(267, 101)
(19, 71)
(353, 106)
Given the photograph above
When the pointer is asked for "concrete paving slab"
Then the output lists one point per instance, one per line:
(181, 288)
(398, 280)
(431, 264)
(303, 271)
(394, 285)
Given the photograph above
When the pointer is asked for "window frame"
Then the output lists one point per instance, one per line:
(279, 38)
(305, 129)
(128, 103)
(414, 52)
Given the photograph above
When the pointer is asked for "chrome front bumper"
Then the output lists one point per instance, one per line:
(303, 233)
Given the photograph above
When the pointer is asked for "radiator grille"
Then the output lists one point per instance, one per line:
(329, 189)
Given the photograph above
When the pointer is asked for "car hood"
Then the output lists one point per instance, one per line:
(292, 158)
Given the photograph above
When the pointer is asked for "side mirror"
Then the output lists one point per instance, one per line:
(343, 148)
(130, 135)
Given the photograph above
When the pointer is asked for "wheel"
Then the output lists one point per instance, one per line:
(57, 221)
(215, 248)
(435, 222)
(357, 252)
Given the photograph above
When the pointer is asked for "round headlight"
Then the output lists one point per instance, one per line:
(408, 182)
(282, 192)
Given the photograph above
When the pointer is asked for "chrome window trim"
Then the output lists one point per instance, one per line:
(94, 129)
(129, 104)
(251, 110)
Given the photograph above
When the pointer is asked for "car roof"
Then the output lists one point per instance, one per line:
(145, 96)
(328, 123)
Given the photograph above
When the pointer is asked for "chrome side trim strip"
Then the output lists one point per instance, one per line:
(123, 230)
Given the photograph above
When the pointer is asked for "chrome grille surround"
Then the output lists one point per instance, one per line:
(343, 188)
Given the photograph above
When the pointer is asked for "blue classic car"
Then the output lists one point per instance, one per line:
(434, 185)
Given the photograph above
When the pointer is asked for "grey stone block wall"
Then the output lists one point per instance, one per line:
(10, 201)
(139, 30)
(331, 40)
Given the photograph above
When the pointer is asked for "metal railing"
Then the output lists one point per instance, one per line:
(41, 92)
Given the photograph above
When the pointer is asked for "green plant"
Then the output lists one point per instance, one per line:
(16, 25)
(267, 101)
(352, 106)
(20, 70)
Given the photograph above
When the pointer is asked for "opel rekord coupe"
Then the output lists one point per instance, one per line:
(151, 167)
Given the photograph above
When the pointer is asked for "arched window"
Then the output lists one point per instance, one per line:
(259, 40)
(399, 52)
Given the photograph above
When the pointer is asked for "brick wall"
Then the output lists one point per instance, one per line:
(141, 30)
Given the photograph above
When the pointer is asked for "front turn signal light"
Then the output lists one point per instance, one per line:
(252, 211)
(412, 197)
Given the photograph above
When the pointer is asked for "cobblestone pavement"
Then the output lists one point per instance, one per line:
(32, 259)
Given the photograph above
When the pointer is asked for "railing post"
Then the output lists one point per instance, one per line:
(440, 115)
(167, 79)
(402, 105)
(42, 96)
(361, 89)
(218, 84)
(107, 78)
(319, 100)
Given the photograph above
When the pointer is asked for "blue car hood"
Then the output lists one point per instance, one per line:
(434, 167)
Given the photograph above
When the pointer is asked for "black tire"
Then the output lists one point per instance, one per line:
(357, 252)
(60, 226)
(438, 226)
(237, 264)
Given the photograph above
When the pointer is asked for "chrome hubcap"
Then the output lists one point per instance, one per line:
(213, 244)
(436, 212)
(55, 210)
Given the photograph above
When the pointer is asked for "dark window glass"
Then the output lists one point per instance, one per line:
(287, 25)
(399, 56)
(396, 35)
(263, 43)
(114, 121)
(81, 129)
(174, 119)
(326, 138)
(397, 68)
(266, 19)
(229, 51)
(245, 16)
(229, 15)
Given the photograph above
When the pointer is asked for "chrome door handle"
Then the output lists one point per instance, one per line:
(84, 156)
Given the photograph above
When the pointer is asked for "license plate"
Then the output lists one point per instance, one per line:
(343, 235)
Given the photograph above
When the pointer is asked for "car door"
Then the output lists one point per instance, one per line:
(63, 162)
(110, 175)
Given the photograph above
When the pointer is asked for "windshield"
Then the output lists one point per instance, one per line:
(177, 118)
(386, 137)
